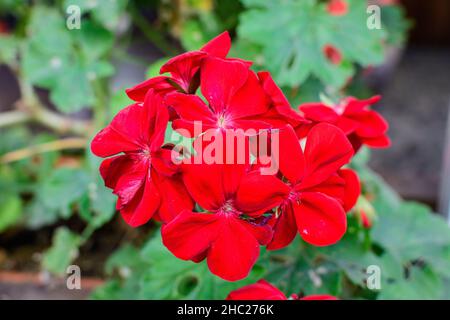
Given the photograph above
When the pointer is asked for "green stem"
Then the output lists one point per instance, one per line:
(101, 103)
(152, 35)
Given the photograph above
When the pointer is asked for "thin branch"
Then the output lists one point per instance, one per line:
(10, 118)
(30, 104)
(63, 144)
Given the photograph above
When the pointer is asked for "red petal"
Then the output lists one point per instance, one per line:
(234, 251)
(219, 46)
(321, 220)
(279, 101)
(327, 149)
(259, 193)
(249, 100)
(285, 229)
(159, 84)
(144, 204)
(333, 187)
(120, 135)
(378, 142)
(353, 105)
(132, 176)
(134, 128)
(337, 7)
(372, 124)
(352, 188)
(208, 186)
(157, 120)
(162, 162)
(110, 177)
(291, 158)
(332, 54)
(318, 112)
(250, 125)
(347, 125)
(184, 67)
(191, 108)
(262, 290)
(220, 80)
(190, 235)
(175, 198)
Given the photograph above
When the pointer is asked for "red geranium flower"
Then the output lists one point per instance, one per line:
(263, 290)
(230, 233)
(234, 95)
(361, 124)
(314, 205)
(337, 7)
(142, 175)
(183, 69)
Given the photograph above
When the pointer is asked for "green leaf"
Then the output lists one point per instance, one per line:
(422, 284)
(171, 278)
(300, 32)
(63, 251)
(9, 45)
(412, 232)
(94, 40)
(48, 31)
(10, 210)
(37, 215)
(43, 68)
(56, 58)
(63, 187)
(66, 97)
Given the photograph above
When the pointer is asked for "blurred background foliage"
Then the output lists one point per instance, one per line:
(71, 83)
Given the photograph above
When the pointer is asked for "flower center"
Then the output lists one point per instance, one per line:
(222, 121)
(293, 195)
(228, 209)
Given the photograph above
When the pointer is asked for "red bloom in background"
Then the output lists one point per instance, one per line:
(4, 29)
(332, 54)
(337, 7)
(230, 233)
(139, 171)
(183, 70)
(263, 290)
(362, 125)
(314, 205)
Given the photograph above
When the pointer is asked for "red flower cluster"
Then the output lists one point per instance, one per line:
(263, 290)
(224, 210)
